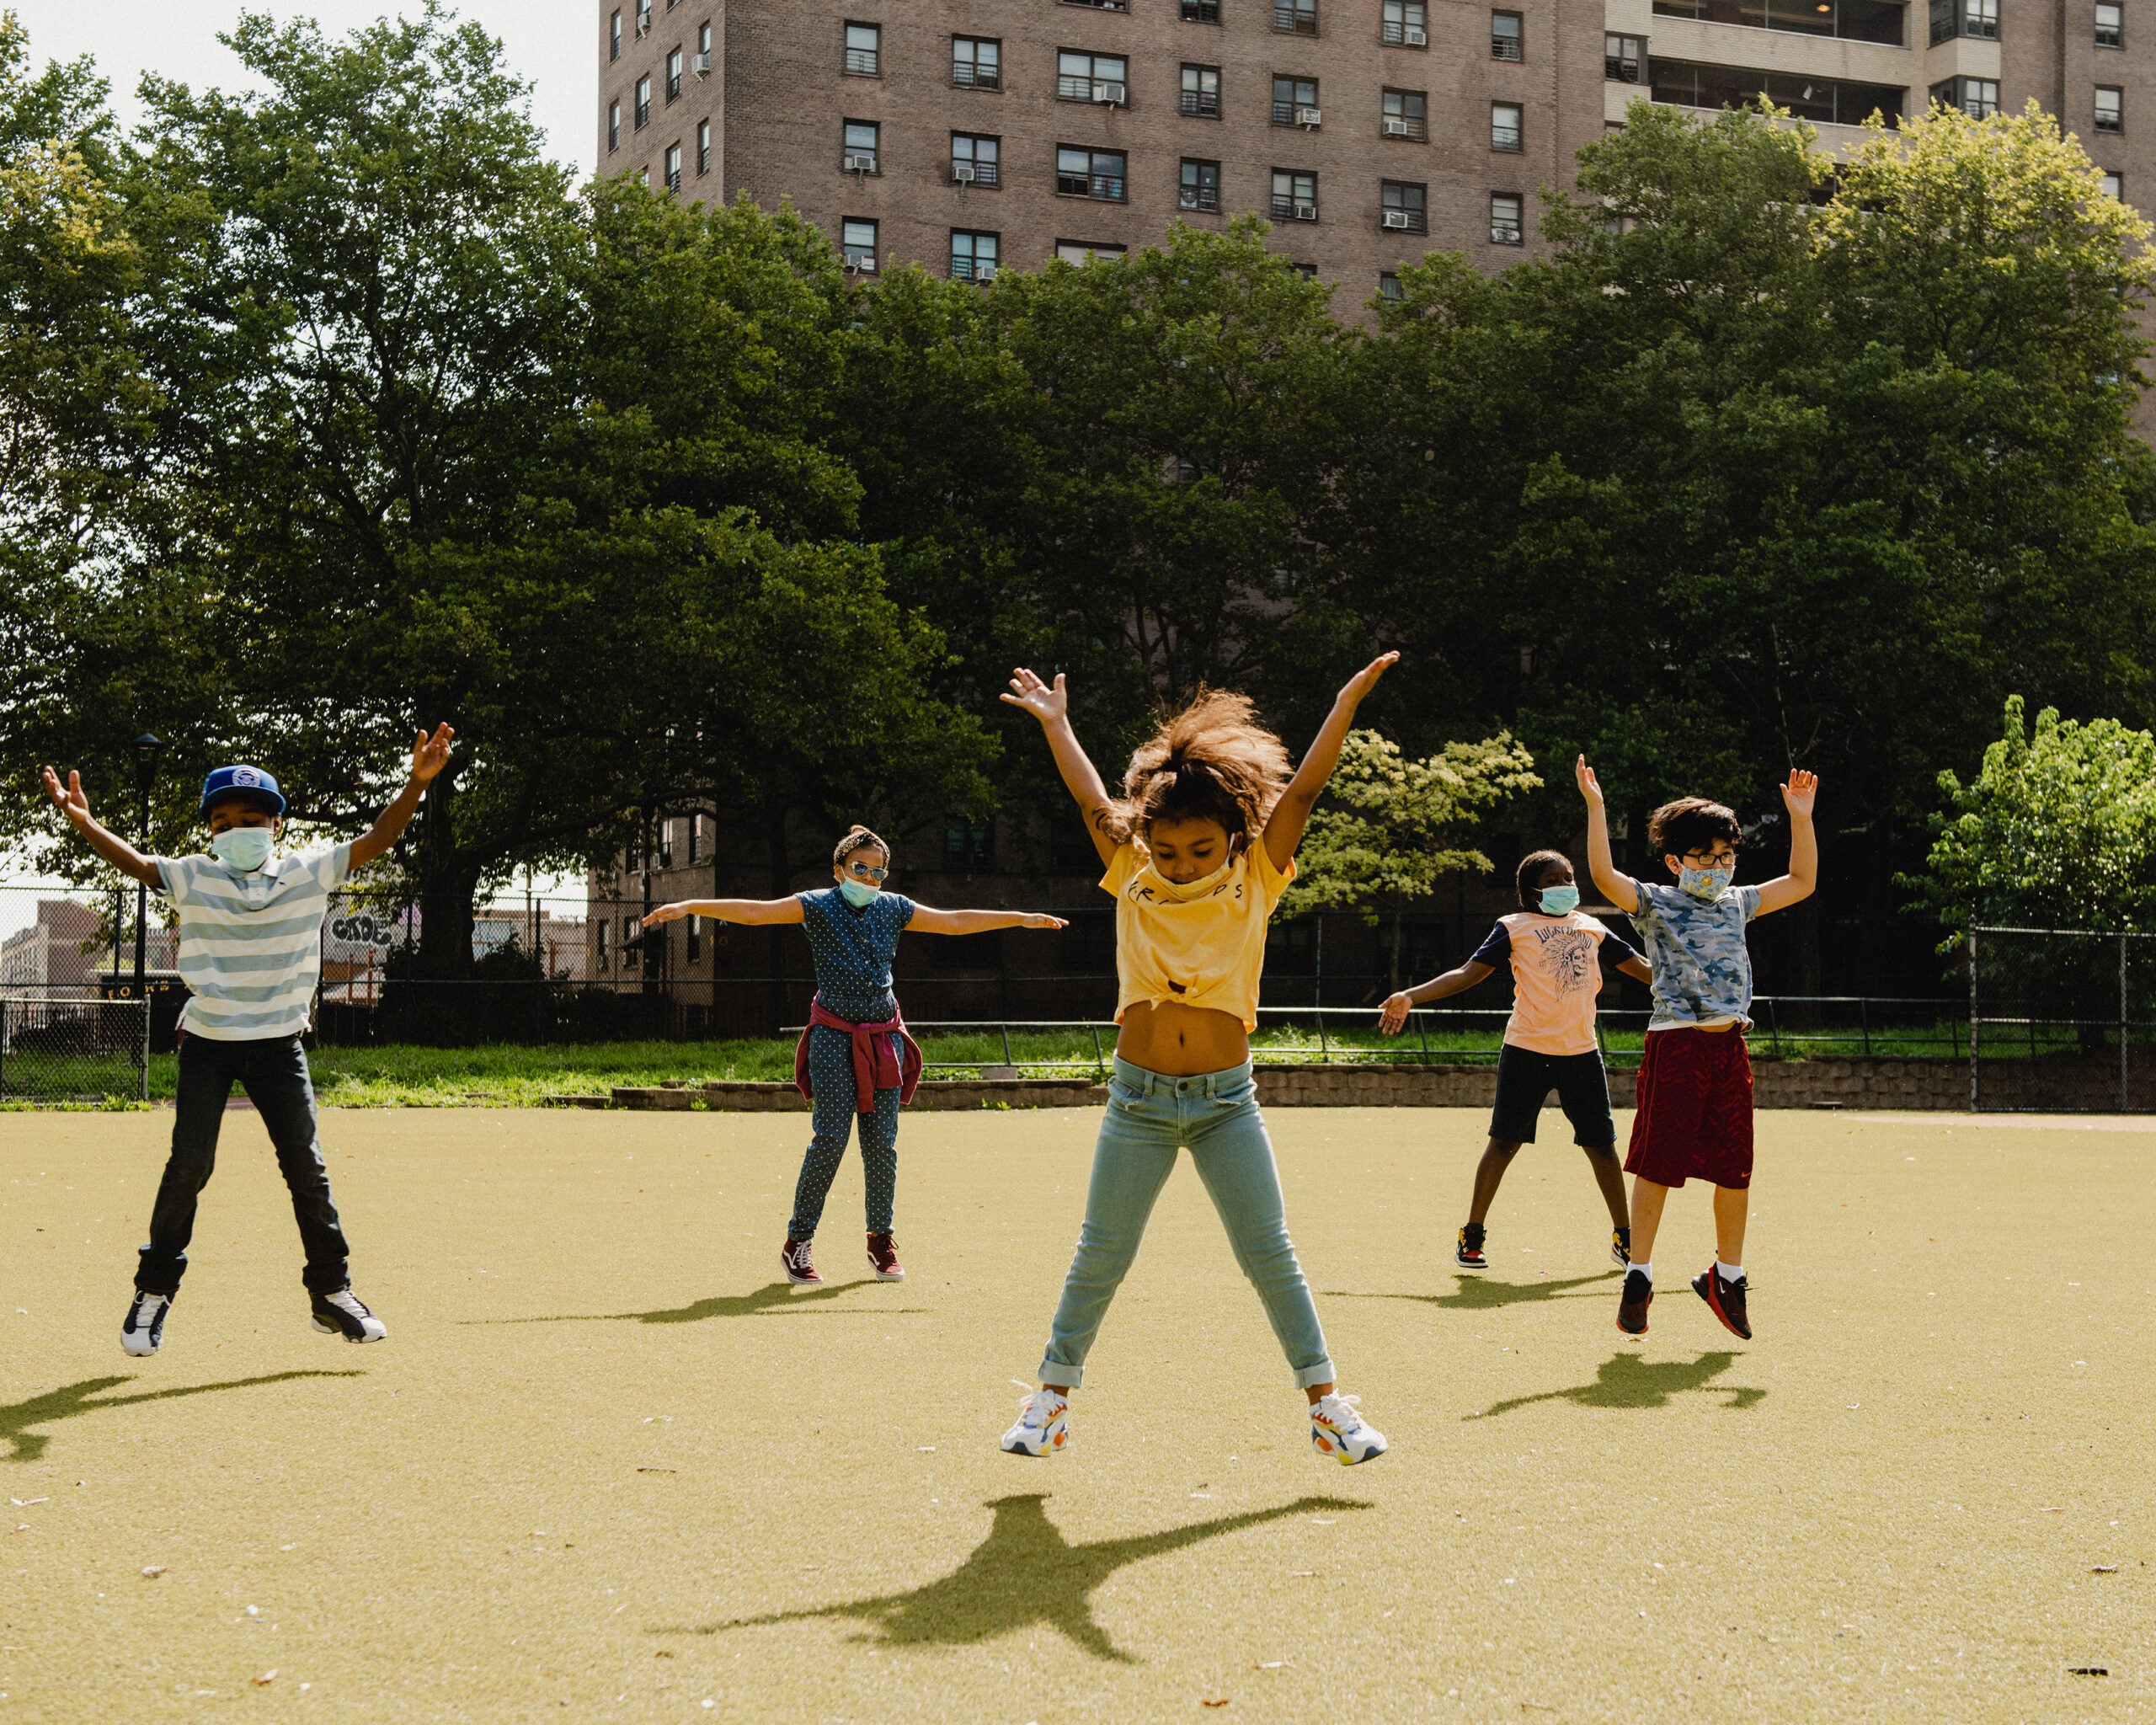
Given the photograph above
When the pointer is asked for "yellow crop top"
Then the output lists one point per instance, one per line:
(1203, 944)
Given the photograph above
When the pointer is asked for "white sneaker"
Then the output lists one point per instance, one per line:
(144, 1331)
(1340, 1432)
(342, 1314)
(1043, 1425)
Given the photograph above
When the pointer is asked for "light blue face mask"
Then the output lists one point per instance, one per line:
(1708, 883)
(859, 894)
(1560, 900)
(245, 849)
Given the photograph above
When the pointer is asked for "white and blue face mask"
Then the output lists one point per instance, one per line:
(1707, 885)
(859, 894)
(245, 849)
(1560, 900)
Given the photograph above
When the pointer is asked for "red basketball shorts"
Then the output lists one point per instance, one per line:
(1693, 1099)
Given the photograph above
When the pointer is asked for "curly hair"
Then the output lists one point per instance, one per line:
(1212, 760)
(1528, 881)
(1691, 824)
(858, 838)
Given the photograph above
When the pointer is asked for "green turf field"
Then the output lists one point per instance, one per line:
(604, 1469)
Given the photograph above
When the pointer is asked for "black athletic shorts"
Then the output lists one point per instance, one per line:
(1525, 1081)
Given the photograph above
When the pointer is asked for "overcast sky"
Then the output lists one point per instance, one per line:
(550, 43)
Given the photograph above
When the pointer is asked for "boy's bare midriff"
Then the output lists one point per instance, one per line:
(1167, 1037)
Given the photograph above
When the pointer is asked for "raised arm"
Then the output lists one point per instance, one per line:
(1050, 703)
(1394, 1017)
(1633, 966)
(1617, 887)
(1802, 879)
(751, 911)
(116, 851)
(926, 921)
(1283, 831)
(429, 754)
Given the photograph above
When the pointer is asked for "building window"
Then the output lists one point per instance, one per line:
(977, 62)
(972, 255)
(1406, 24)
(1406, 116)
(1294, 195)
(1295, 18)
(1404, 206)
(613, 125)
(673, 167)
(1388, 289)
(1084, 251)
(1201, 11)
(975, 159)
(1853, 20)
(674, 75)
(858, 152)
(703, 146)
(2110, 25)
(857, 241)
(2115, 187)
(1201, 91)
(665, 839)
(1506, 129)
(1683, 84)
(967, 849)
(614, 35)
(1504, 218)
(2110, 108)
(644, 103)
(1089, 173)
(1976, 96)
(644, 18)
(1508, 36)
(1964, 17)
(631, 932)
(1092, 77)
(1102, 5)
(864, 50)
(696, 839)
(1624, 58)
(692, 944)
(1307, 271)
(1200, 188)
(702, 67)
(1295, 102)
(600, 927)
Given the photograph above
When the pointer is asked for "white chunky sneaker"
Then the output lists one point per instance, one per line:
(341, 1314)
(144, 1331)
(1043, 1425)
(1341, 1433)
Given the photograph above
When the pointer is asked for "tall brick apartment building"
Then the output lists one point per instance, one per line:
(976, 134)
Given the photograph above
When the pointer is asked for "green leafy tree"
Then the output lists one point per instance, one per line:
(1391, 827)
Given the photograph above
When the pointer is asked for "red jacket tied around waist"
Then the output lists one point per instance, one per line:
(876, 1066)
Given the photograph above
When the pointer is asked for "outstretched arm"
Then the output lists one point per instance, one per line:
(429, 754)
(752, 911)
(1283, 831)
(1456, 981)
(927, 921)
(1050, 703)
(116, 851)
(1618, 889)
(1636, 968)
(1803, 877)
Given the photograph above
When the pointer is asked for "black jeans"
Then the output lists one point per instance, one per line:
(273, 1072)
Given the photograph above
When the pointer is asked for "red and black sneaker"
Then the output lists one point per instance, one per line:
(800, 1267)
(1468, 1254)
(1632, 1303)
(1725, 1299)
(883, 1258)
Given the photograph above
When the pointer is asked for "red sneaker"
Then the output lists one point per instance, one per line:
(883, 1258)
(800, 1267)
(1726, 1299)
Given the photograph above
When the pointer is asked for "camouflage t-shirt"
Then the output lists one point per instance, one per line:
(1695, 947)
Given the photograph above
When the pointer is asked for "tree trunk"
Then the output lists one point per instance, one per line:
(1399, 915)
(447, 883)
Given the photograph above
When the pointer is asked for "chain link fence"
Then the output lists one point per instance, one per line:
(2061, 1020)
(63, 1049)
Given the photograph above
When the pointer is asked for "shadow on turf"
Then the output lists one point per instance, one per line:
(1480, 1293)
(1626, 1380)
(1023, 1574)
(773, 1297)
(28, 1445)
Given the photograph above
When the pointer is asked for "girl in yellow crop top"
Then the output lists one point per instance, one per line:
(1199, 850)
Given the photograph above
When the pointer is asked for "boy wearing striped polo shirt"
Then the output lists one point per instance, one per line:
(250, 953)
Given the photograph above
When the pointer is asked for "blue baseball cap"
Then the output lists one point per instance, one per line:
(248, 783)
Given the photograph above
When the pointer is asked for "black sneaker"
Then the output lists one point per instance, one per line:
(800, 1267)
(341, 1314)
(1725, 1299)
(1632, 1303)
(144, 1331)
(1620, 1248)
(1468, 1254)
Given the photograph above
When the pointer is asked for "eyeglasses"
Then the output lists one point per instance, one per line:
(862, 871)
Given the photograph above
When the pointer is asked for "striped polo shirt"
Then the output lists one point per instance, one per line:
(250, 945)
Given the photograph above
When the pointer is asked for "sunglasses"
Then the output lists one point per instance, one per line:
(862, 871)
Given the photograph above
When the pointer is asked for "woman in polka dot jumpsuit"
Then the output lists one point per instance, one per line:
(853, 928)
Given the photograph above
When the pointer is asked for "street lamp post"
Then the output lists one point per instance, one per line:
(147, 748)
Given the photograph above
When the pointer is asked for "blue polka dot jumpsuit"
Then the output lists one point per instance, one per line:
(853, 951)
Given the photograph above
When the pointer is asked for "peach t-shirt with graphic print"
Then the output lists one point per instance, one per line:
(1205, 948)
(1556, 965)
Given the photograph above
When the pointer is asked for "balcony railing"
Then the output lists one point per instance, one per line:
(973, 269)
(1200, 197)
(1416, 222)
(983, 173)
(1295, 20)
(1106, 186)
(1410, 126)
(1070, 88)
(864, 62)
(1504, 47)
(1201, 11)
(1294, 209)
(1203, 104)
(967, 75)
(1506, 137)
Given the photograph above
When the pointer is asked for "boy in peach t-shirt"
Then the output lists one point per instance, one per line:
(1555, 953)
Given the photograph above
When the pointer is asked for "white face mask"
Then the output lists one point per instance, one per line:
(1183, 892)
(245, 849)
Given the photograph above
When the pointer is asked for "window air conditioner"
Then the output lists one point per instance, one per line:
(643, 26)
(1115, 95)
(1416, 37)
(702, 65)
(1396, 128)
(963, 172)
(984, 272)
(1308, 116)
(1306, 212)
(1396, 218)
(860, 263)
(860, 163)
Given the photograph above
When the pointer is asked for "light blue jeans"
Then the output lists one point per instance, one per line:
(1150, 1117)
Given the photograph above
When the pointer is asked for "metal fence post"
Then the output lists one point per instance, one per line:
(1975, 1099)
(2122, 1077)
(145, 1004)
(1864, 1015)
